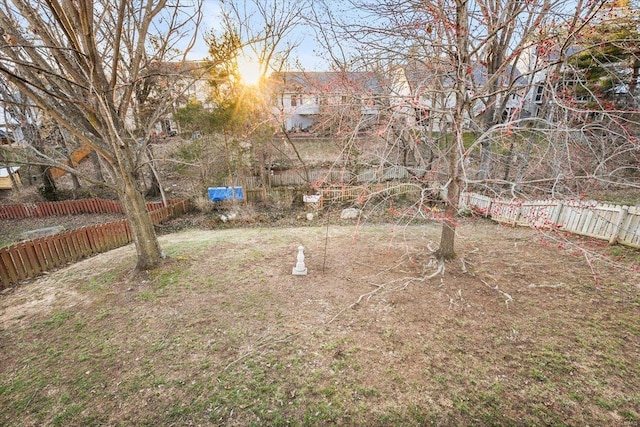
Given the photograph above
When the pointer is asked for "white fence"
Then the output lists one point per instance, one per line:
(617, 224)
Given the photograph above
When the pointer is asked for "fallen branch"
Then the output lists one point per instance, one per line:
(439, 270)
(508, 298)
(533, 285)
(464, 263)
(31, 399)
(368, 295)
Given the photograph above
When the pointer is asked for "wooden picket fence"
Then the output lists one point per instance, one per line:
(614, 223)
(67, 207)
(331, 193)
(299, 178)
(344, 193)
(32, 257)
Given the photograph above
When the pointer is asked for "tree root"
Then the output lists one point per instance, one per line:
(433, 263)
(508, 298)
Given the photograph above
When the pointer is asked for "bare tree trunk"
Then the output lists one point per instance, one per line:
(522, 159)
(264, 168)
(461, 59)
(49, 189)
(76, 184)
(135, 207)
(143, 233)
(634, 77)
(485, 159)
(74, 178)
(295, 149)
(97, 167)
(446, 249)
(155, 189)
(508, 161)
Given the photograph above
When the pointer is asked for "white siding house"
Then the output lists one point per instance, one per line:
(301, 99)
(425, 97)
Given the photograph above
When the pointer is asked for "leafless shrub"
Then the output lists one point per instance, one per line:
(203, 204)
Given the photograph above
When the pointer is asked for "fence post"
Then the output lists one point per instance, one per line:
(556, 217)
(8, 272)
(624, 210)
(487, 212)
(517, 215)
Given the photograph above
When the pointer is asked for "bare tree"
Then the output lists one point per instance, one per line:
(463, 63)
(267, 29)
(20, 110)
(581, 135)
(266, 33)
(82, 63)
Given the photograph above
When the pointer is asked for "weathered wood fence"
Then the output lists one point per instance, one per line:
(66, 207)
(614, 223)
(336, 193)
(32, 257)
(299, 177)
(343, 193)
(330, 192)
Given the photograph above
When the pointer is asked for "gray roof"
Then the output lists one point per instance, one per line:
(429, 76)
(328, 82)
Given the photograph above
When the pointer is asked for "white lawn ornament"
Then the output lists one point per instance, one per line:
(300, 269)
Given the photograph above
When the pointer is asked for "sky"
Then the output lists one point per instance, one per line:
(210, 20)
(305, 52)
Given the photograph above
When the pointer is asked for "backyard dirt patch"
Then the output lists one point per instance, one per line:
(521, 329)
(12, 230)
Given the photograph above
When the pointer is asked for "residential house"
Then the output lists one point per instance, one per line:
(196, 88)
(328, 102)
(183, 81)
(423, 96)
(6, 175)
(601, 66)
(547, 79)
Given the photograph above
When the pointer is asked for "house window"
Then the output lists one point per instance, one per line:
(508, 114)
(538, 95)
(293, 101)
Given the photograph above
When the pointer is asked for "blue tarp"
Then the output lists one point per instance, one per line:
(217, 194)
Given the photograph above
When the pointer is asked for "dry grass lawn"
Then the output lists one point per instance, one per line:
(519, 330)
